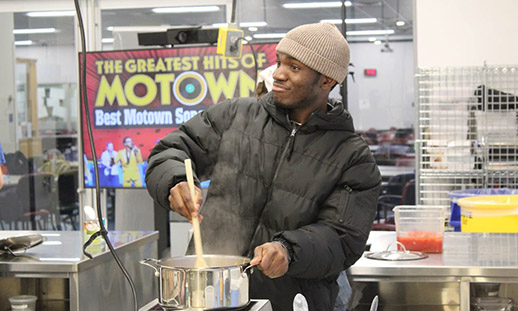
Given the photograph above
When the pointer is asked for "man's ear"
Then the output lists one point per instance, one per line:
(327, 83)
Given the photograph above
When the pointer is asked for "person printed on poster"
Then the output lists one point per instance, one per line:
(129, 158)
(110, 169)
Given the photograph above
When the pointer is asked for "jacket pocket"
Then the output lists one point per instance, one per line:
(358, 208)
(345, 196)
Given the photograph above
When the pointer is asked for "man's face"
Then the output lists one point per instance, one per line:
(295, 86)
(109, 147)
(128, 143)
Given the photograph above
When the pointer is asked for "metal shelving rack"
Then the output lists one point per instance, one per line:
(467, 133)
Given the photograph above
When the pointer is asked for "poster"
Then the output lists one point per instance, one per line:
(137, 97)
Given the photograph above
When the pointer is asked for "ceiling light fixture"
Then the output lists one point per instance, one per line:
(60, 259)
(34, 30)
(23, 42)
(252, 29)
(314, 5)
(138, 28)
(218, 25)
(351, 21)
(243, 24)
(269, 35)
(372, 39)
(400, 22)
(248, 38)
(52, 243)
(107, 40)
(187, 9)
(252, 24)
(51, 13)
(370, 32)
(377, 42)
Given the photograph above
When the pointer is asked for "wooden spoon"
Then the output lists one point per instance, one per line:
(200, 262)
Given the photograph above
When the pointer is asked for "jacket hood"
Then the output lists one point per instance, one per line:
(335, 119)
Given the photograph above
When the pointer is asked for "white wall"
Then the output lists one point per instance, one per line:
(385, 100)
(466, 32)
(54, 64)
(7, 99)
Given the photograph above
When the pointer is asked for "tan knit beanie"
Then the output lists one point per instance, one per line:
(320, 46)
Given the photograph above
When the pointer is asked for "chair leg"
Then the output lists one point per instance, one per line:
(73, 221)
(45, 220)
(56, 222)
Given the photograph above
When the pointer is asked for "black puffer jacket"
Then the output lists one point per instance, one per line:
(316, 187)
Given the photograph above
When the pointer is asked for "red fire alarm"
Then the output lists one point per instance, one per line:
(369, 72)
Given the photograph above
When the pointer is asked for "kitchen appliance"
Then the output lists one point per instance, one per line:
(254, 305)
(222, 284)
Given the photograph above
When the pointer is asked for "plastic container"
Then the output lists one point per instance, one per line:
(495, 213)
(23, 303)
(419, 227)
(459, 194)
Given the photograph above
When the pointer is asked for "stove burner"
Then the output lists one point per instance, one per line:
(254, 305)
(245, 308)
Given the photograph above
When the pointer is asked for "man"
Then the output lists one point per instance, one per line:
(291, 184)
(130, 157)
(111, 171)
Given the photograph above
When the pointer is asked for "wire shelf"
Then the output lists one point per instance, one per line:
(467, 132)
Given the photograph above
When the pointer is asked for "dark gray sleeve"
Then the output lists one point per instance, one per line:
(337, 240)
(197, 139)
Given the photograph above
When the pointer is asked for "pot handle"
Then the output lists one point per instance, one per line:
(248, 269)
(151, 262)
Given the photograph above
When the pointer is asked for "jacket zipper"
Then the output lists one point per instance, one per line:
(283, 155)
(349, 191)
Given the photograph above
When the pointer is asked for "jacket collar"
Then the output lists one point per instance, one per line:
(335, 119)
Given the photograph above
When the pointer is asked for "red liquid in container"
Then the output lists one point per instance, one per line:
(422, 241)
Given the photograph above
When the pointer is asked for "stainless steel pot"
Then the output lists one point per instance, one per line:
(223, 284)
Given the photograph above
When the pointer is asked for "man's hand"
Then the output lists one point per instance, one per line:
(180, 200)
(271, 258)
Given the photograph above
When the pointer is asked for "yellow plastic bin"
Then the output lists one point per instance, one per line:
(495, 213)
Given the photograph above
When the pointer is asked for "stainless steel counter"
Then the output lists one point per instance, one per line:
(467, 258)
(93, 284)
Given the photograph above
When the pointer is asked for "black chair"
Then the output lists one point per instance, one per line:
(38, 201)
(68, 197)
(396, 184)
(17, 163)
(386, 202)
(408, 195)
